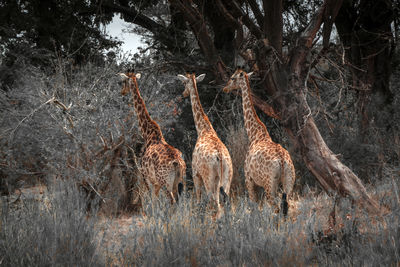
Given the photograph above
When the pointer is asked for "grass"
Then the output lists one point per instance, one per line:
(57, 230)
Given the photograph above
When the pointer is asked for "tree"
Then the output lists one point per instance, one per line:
(34, 31)
(364, 28)
(258, 31)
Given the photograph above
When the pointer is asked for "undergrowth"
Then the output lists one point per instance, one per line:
(59, 231)
(55, 231)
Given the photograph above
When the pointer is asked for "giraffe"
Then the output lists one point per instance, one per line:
(211, 161)
(161, 164)
(267, 163)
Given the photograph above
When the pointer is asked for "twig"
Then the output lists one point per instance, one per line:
(30, 115)
(97, 192)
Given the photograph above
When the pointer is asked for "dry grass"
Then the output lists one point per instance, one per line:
(55, 228)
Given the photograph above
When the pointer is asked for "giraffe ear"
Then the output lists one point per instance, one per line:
(249, 74)
(200, 77)
(138, 75)
(182, 78)
(123, 75)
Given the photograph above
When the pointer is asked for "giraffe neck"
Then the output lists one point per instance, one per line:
(256, 130)
(200, 118)
(150, 130)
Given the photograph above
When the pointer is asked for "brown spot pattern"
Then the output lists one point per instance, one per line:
(211, 161)
(267, 164)
(161, 164)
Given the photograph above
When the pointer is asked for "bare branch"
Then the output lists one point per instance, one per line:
(30, 115)
(246, 20)
(225, 13)
(333, 7)
(198, 25)
(308, 35)
(256, 10)
(133, 16)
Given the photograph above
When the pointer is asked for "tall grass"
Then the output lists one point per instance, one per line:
(56, 231)
(247, 235)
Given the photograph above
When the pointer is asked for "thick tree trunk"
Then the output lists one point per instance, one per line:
(330, 172)
(198, 26)
(288, 84)
(273, 23)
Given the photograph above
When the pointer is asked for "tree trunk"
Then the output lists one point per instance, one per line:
(273, 23)
(365, 30)
(288, 83)
(330, 172)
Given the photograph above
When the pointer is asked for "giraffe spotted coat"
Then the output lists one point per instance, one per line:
(161, 164)
(211, 162)
(267, 163)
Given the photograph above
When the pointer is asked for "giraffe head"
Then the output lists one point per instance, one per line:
(190, 81)
(236, 79)
(129, 78)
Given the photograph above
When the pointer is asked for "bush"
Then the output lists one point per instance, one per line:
(75, 124)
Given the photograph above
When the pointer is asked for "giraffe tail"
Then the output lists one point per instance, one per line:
(284, 204)
(221, 177)
(179, 177)
(224, 195)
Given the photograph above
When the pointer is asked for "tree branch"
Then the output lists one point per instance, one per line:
(256, 10)
(308, 35)
(133, 16)
(198, 25)
(225, 13)
(331, 173)
(246, 20)
(329, 18)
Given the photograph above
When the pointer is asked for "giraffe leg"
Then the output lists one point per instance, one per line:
(215, 192)
(271, 190)
(171, 197)
(251, 188)
(157, 189)
(269, 197)
(198, 182)
(287, 185)
(289, 178)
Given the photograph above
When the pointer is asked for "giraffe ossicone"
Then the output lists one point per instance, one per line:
(211, 161)
(267, 163)
(161, 164)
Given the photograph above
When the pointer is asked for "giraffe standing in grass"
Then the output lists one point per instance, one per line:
(161, 164)
(211, 162)
(267, 163)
